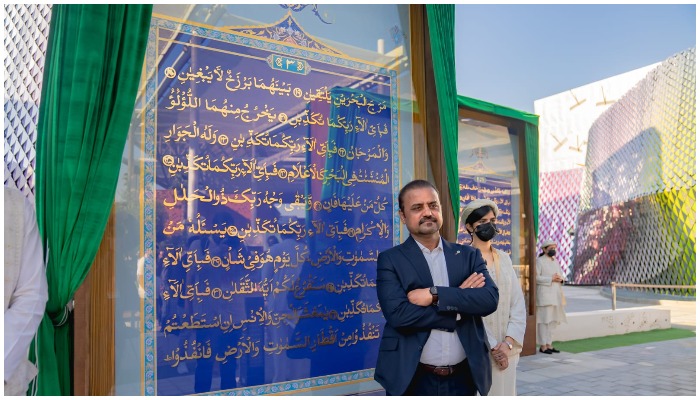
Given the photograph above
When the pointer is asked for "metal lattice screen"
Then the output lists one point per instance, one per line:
(26, 36)
(636, 221)
(559, 199)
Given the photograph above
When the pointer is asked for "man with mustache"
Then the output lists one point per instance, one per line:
(433, 294)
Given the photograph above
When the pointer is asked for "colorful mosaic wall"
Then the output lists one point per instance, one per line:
(565, 120)
(26, 34)
(559, 198)
(636, 221)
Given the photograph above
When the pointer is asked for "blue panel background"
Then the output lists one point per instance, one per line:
(308, 160)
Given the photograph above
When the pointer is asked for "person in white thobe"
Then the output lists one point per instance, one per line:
(505, 328)
(550, 298)
(26, 290)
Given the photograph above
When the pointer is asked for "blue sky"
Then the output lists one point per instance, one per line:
(512, 55)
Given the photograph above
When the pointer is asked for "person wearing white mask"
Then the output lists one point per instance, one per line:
(550, 298)
(505, 328)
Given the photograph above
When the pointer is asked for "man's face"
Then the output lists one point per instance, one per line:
(421, 213)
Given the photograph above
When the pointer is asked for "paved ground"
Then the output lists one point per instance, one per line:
(665, 368)
(653, 369)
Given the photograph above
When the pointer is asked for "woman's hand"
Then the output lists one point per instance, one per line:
(500, 355)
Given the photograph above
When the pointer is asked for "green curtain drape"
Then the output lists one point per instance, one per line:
(531, 144)
(441, 26)
(93, 64)
(532, 151)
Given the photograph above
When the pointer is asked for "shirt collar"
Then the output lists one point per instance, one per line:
(426, 250)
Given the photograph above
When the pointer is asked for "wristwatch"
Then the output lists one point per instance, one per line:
(510, 346)
(433, 291)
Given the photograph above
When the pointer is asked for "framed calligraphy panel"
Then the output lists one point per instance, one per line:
(269, 173)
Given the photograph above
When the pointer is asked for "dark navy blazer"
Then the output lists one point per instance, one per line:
(402, 269)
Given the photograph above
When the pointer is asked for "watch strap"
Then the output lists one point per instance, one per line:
(433, 292)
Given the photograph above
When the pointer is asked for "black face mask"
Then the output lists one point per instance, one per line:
(485, 232)
(551, 252)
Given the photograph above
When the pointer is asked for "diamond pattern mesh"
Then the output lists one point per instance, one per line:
(26, 36)
(636, 222)
(559, 200)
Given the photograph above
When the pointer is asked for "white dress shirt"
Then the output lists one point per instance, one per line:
(442, 348)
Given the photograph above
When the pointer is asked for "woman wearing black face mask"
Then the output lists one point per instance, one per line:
(505, 328)
(550, 298)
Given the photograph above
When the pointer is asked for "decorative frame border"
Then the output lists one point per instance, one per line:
(148, 190)
(293, 30)
(295, 387)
